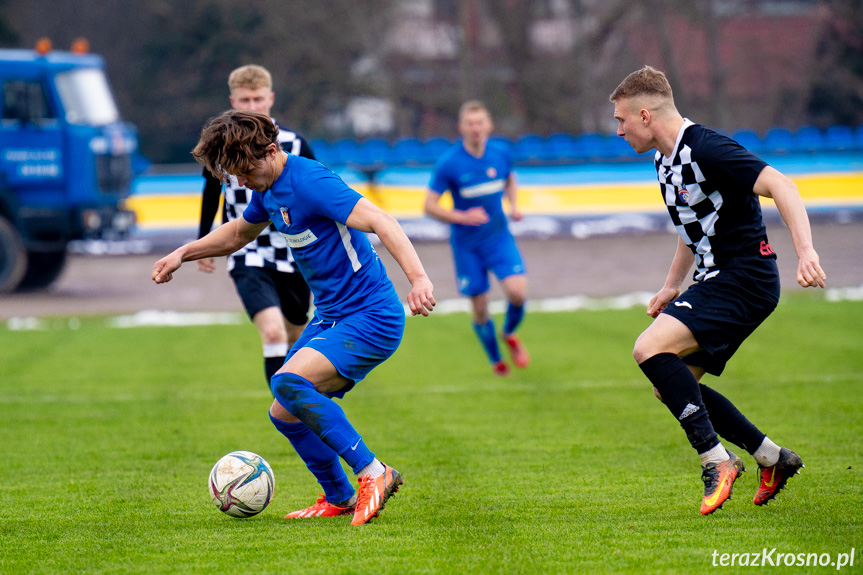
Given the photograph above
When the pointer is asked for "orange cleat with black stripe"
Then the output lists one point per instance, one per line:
(374, 492)
(719, 480)
(774, 478)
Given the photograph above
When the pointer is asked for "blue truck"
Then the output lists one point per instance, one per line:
(65, 162)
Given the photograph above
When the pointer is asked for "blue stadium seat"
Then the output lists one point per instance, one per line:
(373, 152)
(749, 140)
(407, 151)
(343, 151)
(321, 149)
(530, 148)
(841, 138)
(563, 147)
(616, 147)
(433, 148)
(590, 145)
(808, 139)
(858, 137)
(778, 140)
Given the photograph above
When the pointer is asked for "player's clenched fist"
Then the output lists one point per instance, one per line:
(163, 270)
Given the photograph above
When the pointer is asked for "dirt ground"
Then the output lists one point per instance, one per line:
(600, 266)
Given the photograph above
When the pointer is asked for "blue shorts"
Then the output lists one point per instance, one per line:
(472, 264)
(723, 311)
(355, 344)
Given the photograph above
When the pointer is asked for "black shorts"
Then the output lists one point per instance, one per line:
(724, 310)
(260, 288)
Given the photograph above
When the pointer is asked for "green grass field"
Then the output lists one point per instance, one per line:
(572, 466)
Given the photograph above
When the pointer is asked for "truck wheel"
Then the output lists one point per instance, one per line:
(13, 257)
(42, 269)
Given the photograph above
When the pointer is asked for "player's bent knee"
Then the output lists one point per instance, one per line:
(292, 392)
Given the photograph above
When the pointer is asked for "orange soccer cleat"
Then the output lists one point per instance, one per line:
(774, 478)
(719, 480)
(517, 351)
(321, 508)
(374, 492)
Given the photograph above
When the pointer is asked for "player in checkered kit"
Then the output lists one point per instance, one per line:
(711, 185)
(273, 292)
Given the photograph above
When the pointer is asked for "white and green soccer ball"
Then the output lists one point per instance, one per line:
(242, 484)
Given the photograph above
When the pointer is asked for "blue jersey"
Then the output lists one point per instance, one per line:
(475, 182)
(309, 205)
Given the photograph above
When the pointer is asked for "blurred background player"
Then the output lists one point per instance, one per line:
(711, 186)
(478, 174)
(272, 290)
(359, 320)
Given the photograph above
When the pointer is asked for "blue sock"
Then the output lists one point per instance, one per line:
(486, 335)
(321, 460)
(514, 315)
(323, 416)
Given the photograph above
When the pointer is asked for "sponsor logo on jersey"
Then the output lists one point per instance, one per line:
(286, 215)
(484, 189)
(301, 239)
(683, 194)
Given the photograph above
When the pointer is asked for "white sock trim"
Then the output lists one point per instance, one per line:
(716, 454)
(375, 469)
(275, 349)
(767, 454)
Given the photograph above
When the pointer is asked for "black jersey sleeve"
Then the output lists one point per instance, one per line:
(728, 161)
(209, 203)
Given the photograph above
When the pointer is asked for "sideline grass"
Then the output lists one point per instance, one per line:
(569, 467)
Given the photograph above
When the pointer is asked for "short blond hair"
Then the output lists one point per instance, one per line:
(472, 106)
(647, 81)
(250, 76)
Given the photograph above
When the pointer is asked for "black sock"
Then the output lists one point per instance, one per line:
(682, 396)
(729, 422)
(271, 366)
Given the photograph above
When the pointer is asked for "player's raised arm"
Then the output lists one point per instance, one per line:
(772, 183)
(367, 217)
(224, 240)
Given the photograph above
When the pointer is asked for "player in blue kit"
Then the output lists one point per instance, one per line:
(478, 174)
(711, 185)
(358, 321)
(273, 292)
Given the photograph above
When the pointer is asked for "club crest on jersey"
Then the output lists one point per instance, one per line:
(683, 194)
(286, 215)
(491, 172)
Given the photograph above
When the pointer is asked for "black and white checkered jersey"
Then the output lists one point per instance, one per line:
(707, 183)
(270, 249)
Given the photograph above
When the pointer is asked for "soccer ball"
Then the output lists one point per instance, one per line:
(242, 484)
